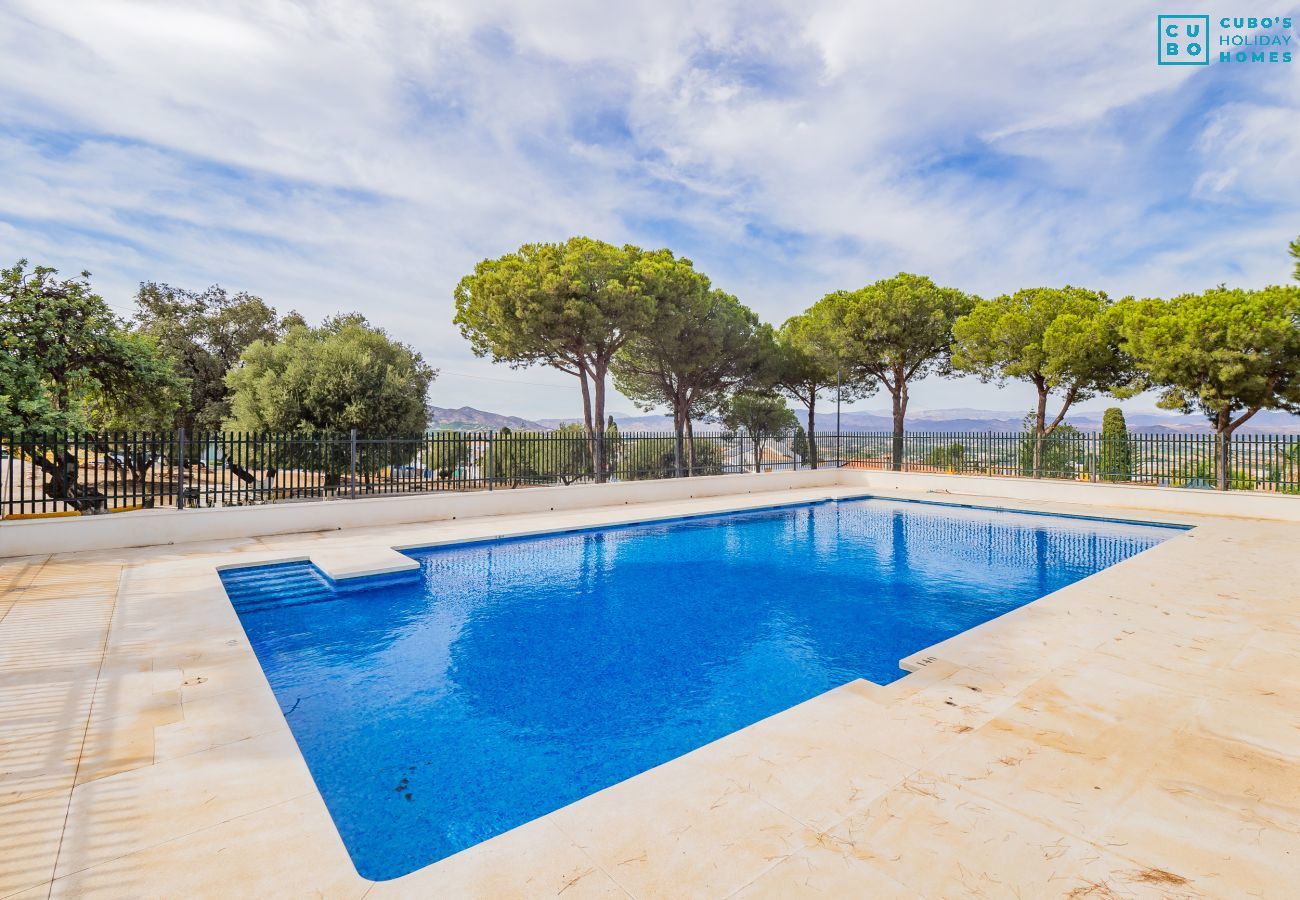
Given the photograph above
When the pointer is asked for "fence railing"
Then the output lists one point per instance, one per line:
(69, 474)
(1254, 462)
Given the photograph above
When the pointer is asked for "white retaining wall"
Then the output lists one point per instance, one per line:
(1189, 501)
(146, 528)
(153, 527)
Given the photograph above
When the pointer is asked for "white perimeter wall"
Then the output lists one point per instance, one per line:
(146, 528)
(152, 527)
(1106, 497)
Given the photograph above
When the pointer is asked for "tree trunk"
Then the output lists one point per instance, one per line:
(586, 417)
(690, 445)
(599, 415)
(679, 443)
(1040, 427)
(899, 393)
(812, 431)
(1222, 444)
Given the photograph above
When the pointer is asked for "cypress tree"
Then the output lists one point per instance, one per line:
(1115, 456)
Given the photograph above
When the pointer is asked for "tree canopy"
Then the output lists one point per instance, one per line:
(700, 343)
(1226, 353)
(68, 363)
(895, 331)
(1060, 340)
(204, 334)
(804, 366)
(571, 306)
(760, 416)
(345, 374)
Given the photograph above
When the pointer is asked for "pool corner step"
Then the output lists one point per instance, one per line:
(341, 564)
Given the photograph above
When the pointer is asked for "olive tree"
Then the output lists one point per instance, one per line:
(343, 375)
(67, 364)
(1227, 353)
(571, 306)
(203, 334)
(1061, 340)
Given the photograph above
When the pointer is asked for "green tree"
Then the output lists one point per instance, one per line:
(1227, 353)
(564, 454)
(345, 374)
(1115, 455)
(204, 335)
(805, 366)
(571, 306)
(612, 443)
(701, 342)
(68, 364)
(1058, 455)
(645, 458)
(74, 363)
(895, 331)
(800, 445)
(1295, 254)
(760, 417)
(1062, 340)
(449, 452)
(950, 456)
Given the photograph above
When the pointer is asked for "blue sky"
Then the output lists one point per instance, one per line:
(336, 156)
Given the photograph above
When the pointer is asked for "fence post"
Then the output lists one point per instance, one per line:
(490, 458)
(352, 462)
(180, 471)
(1092, 457)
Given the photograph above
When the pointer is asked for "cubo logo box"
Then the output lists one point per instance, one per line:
(1183, 40)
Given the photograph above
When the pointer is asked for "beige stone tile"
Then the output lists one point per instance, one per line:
(1222, 814)
(814, 762)
(37, 763)
(685, 823)
(39, 701)
(29, 839)
(942, 841)
(536, 860)
(137, 809)
(209, 721)
(833, 874)
(55, 634)
(291, 848)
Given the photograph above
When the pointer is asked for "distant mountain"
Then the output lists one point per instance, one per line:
(989, 420)
(932, 420)
(467, 418)
(624, 421)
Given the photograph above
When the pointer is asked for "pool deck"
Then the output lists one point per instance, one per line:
(1136, 734)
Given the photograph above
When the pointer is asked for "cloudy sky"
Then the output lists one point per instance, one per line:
(352, 155)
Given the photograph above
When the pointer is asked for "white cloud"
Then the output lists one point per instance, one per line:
(338, 155)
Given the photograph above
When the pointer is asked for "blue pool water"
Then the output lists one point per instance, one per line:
(510, 678)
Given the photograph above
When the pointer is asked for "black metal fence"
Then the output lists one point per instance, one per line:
(1255, 462)
(71, 474)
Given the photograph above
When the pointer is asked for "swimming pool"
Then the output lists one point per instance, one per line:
(509, 678)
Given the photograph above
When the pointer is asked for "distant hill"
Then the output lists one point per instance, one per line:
(941, 420)
(467, 418)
